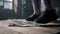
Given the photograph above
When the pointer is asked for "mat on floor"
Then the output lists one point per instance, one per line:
(24, 23)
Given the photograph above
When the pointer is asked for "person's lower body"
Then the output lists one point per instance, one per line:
(45, 16)
(48, 15)
(36, 8)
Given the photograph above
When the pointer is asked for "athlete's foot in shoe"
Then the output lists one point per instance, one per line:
(47, 16)
(33, 17)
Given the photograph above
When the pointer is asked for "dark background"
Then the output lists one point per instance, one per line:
(10, 14)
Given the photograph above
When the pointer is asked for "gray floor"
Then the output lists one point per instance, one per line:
(4, 29)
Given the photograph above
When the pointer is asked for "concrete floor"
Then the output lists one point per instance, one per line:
(4, 29)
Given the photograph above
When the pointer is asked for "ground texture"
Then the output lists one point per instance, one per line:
(5, 29)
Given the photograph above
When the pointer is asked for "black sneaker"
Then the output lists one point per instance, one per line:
(47, 16)
(32, 17)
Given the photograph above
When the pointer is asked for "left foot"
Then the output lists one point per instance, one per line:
(32, 17)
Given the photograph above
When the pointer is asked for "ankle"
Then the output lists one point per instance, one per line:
(50, 9)
(37, 12)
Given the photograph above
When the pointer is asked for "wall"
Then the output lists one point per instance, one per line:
(6, 14)
(24, 12)
(17, 10)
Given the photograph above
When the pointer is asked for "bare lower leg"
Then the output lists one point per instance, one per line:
(48, 4)
(37, 12)
(36, 7)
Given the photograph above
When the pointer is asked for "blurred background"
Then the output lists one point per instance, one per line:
(21, 9)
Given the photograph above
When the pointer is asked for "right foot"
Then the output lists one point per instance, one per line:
(47, 16)
(32, 17)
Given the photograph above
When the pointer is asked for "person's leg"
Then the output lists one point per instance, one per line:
(47, 15)
(36, 8)
(48, 5)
